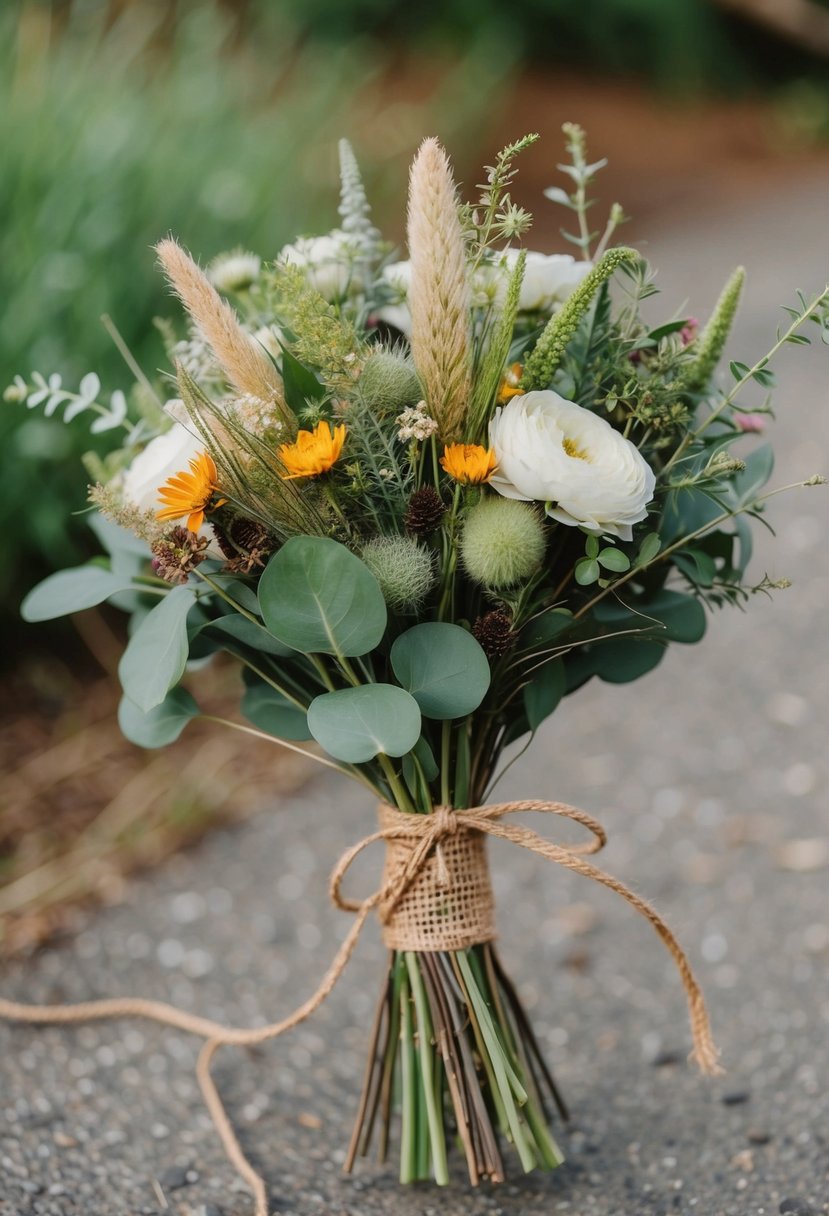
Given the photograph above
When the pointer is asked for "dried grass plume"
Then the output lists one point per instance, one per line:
(439, 295)
(246, 366)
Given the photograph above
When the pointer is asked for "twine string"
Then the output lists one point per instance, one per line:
(425, 834)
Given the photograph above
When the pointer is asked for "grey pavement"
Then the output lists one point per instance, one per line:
(711, 778)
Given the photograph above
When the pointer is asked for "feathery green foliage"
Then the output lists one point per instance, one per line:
(551, 345)
(485, 386)
(323, 337)
(711, 342)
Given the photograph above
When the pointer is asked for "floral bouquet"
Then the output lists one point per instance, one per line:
(420, 503)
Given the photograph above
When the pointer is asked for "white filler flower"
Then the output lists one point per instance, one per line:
(331, 263)
(553, 451)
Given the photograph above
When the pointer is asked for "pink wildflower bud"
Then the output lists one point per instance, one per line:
(750, 424)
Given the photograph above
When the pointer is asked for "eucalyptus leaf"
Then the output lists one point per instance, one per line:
(543, 693)
(72, 591)
(318, 598)
(678, 617)
(240, 629)
(621, 660)
(357, 724)
(156, 654)
(162, 724)
(537, 633)
(443, 667)
(270, 711)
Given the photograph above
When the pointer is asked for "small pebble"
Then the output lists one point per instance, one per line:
(756, 1135)
(735, 1097)
(664, 1059)
(796, 1207)
(175, 1177)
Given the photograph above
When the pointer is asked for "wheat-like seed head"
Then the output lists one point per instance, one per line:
(245, 364)
(439, 296)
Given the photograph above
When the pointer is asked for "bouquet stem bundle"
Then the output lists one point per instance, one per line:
(451, 1037)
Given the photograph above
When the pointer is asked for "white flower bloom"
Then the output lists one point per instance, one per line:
(331, 263)
(548, 278)
(553, 451)
(161, 459)
(234, 271)
(548, 281)
(270, 337)
(397, 277)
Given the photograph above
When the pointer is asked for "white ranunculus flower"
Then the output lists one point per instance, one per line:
(553, 451)
(330, 262)
(548, 278)
(397, 277)
(161, 459)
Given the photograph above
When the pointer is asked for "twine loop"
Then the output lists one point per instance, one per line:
(436, 862)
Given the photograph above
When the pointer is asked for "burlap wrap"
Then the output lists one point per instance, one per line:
(450, 904)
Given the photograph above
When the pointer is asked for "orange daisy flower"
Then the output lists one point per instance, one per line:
(511, 383)
(191, 493)
(468, 463)
(312, 452)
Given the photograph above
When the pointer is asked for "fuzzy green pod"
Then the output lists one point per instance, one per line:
(389, 383)
(502, 543)
(403, 568)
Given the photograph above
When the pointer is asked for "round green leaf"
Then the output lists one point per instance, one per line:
(162, 724)
(240, 629)
(681, 618)
(544, 691)
(614, 559)
(443, 667)
(72, 591)
(587, 571)
(318, 598)
(268, 710)
(621, 660)
(356, 724)
(156, 654)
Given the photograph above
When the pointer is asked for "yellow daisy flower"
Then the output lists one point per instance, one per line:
(191, 493)
(313, 452)
(511, 383)
(468, 463)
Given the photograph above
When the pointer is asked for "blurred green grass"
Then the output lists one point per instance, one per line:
(211, 123)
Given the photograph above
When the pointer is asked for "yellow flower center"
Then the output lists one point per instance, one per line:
(572, 448)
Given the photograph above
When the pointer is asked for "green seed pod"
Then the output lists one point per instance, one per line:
(403, 568)
(389, 383)
(503, 542)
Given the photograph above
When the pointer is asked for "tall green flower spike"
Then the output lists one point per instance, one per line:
(486, 383)
(712, 340)
(550, 347)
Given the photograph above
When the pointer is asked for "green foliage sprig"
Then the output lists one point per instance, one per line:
(550, 348)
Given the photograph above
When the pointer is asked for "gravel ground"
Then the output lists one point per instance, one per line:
(713, 794)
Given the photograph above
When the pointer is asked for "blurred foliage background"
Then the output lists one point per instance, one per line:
(123, 119)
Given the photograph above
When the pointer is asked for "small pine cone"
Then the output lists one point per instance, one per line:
(245, 543)
(177, 553)
(494, 632)
(425, 511)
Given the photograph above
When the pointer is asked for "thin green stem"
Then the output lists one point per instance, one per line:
(237, 607)
(437, 1137)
